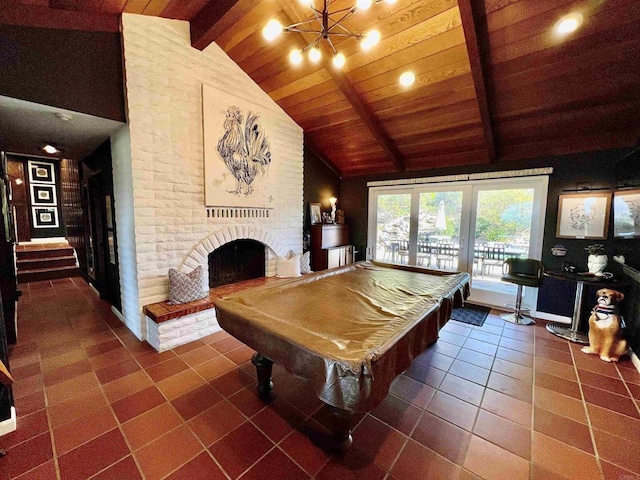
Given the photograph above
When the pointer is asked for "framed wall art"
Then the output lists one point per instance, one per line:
(583, 215)
(626, 213)
(41, 172)
(238, 151)
(45, 217)
(43, 194)
(315, 213)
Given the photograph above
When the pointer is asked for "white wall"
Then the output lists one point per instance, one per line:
(163, 179)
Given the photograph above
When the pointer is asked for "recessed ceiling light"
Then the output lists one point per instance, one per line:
(50, 149)
(568, 24)
(369, 39)
(407, 79)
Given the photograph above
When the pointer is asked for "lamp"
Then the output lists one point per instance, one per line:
(333, 201)
(326, 28)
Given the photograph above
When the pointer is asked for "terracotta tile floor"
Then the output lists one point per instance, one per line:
(497, 402)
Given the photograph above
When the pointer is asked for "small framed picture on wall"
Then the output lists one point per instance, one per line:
(315, 213)
(43, 194)
(41, 172)
(626, 214)
(45, 217)
(583, 215)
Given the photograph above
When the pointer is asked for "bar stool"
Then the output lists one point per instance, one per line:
(522, 272)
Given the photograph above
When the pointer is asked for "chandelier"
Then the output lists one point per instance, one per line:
(325, 25)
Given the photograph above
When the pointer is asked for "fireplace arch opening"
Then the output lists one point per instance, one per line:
(236, 261)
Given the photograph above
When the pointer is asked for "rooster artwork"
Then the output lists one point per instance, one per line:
(244, 149)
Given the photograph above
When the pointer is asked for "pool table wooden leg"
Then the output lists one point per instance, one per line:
(263, 369)
(341, 428)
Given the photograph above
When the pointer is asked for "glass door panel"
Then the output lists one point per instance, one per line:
(439, 220)
(393, 212)
(468, 226)
(502, 230)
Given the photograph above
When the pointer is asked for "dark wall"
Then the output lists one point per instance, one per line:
(320, 184)
(587, 170)
(74, 70)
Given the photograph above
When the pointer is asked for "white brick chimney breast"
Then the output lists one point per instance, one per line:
(158, 167)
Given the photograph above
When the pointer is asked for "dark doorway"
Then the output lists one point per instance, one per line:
(236, 261)
(100, 224)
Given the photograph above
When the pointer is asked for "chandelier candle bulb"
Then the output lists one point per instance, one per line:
(370, 39)
(363, 4)
(295, 57)
(315, 55)
(338, 60)
(272, 30)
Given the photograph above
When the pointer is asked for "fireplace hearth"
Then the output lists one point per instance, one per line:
(236, 261)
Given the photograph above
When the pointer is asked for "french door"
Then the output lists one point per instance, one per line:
(461, 226)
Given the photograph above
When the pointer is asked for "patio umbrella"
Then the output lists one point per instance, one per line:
(441, 219)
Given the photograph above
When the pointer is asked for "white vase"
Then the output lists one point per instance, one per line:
(597, 264)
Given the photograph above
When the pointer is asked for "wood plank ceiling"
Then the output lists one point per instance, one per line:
(493, 82)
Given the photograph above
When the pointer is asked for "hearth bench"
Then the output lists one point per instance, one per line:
(169, 326)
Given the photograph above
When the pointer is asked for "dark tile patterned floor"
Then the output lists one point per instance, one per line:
(496, 402)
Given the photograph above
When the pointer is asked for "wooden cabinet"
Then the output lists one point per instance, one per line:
(330, 246)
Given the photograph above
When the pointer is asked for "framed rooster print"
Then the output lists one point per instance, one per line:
(240, 155)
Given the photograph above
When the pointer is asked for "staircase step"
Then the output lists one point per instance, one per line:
(38, 274)
(44, 253)
(48, 262)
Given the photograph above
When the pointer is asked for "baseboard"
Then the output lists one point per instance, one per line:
(117, 313)
(635, 360)
(552, 317)
(95, 290)
(9, 425)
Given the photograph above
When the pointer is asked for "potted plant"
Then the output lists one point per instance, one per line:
(597, 260)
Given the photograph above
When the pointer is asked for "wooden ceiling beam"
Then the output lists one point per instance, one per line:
(470, 24)
(209, 23)
(12, 13)
(373, 124)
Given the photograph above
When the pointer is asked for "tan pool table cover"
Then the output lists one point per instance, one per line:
(349, 331)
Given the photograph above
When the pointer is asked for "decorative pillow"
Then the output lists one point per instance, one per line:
(289, 266)
(305, 263)
(186, 287)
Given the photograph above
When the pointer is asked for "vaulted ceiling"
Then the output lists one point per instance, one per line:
(493, 81)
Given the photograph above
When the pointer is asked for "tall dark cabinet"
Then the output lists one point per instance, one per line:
(330, 246)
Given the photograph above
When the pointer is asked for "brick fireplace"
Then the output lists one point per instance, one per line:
(158, 165)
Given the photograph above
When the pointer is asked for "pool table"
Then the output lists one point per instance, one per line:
(348, 331)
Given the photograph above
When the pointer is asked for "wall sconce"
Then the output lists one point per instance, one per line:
(333, 201)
